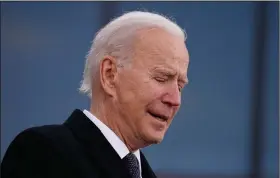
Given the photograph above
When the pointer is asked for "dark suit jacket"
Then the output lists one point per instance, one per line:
(75, 149)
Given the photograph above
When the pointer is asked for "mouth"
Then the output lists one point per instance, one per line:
(160, 117)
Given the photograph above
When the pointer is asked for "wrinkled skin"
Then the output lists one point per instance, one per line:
(137, 96)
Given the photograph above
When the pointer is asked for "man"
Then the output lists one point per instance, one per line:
(134, 75)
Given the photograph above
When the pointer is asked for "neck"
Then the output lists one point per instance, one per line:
(107, 113)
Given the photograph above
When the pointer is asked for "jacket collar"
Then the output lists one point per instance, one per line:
(100, 149)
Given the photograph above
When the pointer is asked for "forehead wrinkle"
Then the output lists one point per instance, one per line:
(151, 41)
(152, 50)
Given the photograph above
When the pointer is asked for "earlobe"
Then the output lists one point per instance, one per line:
(108, 72)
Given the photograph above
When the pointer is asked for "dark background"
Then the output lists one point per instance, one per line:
(228, 123)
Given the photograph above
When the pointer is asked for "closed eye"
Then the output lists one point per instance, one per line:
(180, 88)
(181, 85)
(161, 79)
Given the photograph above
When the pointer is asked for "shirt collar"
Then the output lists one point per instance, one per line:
(112, 138)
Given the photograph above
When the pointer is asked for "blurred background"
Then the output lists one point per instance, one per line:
(228, 123)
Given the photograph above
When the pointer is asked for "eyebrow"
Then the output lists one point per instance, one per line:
(164, 71)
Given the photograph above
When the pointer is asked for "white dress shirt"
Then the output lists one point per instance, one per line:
(113, 139)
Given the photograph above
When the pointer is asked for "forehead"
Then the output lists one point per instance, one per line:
(157, 48)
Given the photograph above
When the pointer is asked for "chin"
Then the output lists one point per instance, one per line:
(154, 138)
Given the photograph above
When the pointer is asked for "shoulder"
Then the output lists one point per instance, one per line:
(36, 149)
(54, 133)
(47, 142)
(39, 138)
(42, 133)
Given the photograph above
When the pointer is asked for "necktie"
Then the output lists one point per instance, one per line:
(132, 165)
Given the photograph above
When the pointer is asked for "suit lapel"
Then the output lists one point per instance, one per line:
(96, 145)
(147, 171)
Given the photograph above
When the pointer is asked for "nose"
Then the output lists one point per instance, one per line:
(172, 97)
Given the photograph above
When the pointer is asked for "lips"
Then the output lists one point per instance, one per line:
(158, 116)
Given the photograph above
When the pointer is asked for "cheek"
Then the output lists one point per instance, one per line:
(136, 92)
(151, 90)
(156, 89)
(131, 92)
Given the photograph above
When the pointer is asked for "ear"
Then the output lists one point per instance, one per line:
(108, 73)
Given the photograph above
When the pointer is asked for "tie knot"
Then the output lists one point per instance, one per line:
(132, 164)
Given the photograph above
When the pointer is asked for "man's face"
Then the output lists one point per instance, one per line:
(149, 91)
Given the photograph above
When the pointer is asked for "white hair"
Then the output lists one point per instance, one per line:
(115, 39)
